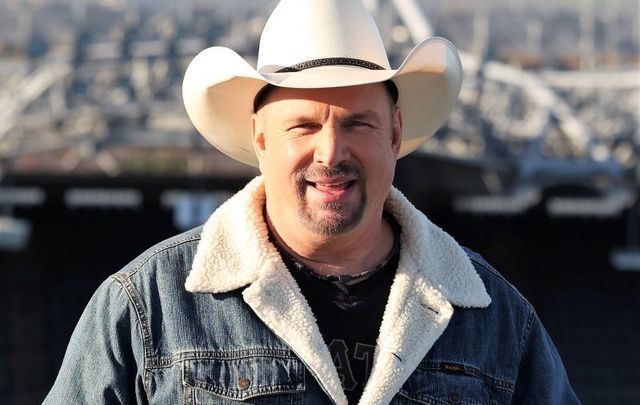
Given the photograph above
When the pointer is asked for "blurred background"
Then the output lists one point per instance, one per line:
(536, 168)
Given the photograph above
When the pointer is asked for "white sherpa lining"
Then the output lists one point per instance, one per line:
(434, 272)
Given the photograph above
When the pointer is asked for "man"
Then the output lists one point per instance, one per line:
(318, 282)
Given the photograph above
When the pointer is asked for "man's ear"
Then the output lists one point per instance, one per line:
(257, 136)
(396, 130)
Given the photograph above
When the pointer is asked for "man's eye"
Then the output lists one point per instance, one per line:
(356, 123)
(304, 125)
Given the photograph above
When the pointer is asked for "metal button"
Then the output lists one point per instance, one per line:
(454, 397)
(244, 383)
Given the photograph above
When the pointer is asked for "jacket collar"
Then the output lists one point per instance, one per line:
(433, 274)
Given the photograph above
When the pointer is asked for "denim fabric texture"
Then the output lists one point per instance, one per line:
(143, 338)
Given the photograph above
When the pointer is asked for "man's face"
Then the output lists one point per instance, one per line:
(327, 155)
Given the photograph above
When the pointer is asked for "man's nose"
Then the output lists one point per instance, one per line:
(330, 147)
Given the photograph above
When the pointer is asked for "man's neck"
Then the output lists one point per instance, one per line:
(350, 253)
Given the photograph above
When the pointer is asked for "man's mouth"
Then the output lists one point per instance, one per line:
(328, 190)
(331, 186)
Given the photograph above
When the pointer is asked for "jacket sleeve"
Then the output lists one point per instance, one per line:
(542, 378)
(101, 364)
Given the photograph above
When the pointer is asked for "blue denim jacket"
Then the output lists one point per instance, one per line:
(212, 316)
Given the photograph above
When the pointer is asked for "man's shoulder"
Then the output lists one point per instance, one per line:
(172, 255)
(510, 314)
(498, 287)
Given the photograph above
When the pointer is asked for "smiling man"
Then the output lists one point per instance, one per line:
(318, 282)
(325, 191)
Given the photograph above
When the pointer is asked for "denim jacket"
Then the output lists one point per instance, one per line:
(213, 316)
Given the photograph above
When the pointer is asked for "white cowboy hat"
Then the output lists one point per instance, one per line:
(317, 44)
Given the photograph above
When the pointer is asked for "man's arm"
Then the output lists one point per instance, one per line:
(104, 355)
(542, 378)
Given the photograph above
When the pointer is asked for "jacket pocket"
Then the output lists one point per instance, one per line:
(257, 380)
(452, 384)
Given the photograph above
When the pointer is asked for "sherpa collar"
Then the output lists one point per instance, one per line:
(433, 274)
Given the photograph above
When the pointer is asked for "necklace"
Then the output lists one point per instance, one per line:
(340, 279)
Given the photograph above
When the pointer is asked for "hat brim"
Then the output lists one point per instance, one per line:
(219, 101)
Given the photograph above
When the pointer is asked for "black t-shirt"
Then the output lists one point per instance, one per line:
(349, 316)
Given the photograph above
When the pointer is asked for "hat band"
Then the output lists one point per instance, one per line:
(390, 85)
(330, 62)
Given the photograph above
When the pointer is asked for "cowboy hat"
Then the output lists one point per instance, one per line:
(318, 44)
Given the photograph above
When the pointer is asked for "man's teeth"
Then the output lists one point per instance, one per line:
(331, 186)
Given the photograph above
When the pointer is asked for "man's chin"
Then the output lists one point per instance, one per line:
(331, 221)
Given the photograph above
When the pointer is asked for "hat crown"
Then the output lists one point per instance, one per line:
(303, 30)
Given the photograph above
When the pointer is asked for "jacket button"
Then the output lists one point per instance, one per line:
(454, 397)
(244, 383)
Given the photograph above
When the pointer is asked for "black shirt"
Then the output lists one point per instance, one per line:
(348, 316)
